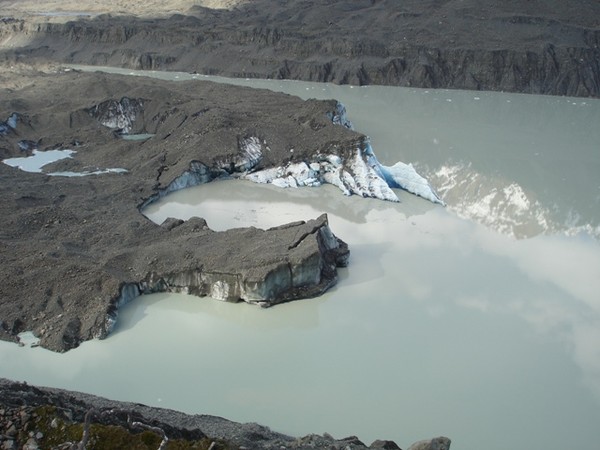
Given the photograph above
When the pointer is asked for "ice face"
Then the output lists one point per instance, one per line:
(362, 174)
(10, 123)
(12, 120)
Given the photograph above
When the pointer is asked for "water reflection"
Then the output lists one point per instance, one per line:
(438, 326)
(550, 282)
(228, 203)
(542, 147)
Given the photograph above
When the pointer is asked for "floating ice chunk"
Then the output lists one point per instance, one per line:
(403, 176)
(265, 176)
(360, 174)
(367, 180)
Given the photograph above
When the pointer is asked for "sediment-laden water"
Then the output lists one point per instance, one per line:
(479, 321)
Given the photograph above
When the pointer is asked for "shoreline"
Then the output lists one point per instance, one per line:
(33, 409)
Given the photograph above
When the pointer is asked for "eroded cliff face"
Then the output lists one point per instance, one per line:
(531, 47)
(74, 249)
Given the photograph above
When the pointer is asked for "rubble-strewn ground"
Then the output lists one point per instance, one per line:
(45, 418)
(548, 47)
(69, 245)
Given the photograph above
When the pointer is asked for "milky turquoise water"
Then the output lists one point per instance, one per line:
(479, 324)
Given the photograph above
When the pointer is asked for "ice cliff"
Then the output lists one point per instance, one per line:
(354, 172)
(288, 262)
(359, 173)
(119, 115)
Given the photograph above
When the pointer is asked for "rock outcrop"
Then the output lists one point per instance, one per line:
(75, 248)
(438, 443)
(47, 417)
(549, 47)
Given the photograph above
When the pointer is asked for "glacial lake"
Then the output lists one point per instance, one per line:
(479, 321)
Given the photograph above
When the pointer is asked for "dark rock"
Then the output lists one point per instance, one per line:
(352, 440)
(72, 334)
(72, 407)
(387, 445)
(550, 47)
(438, 443)
(170, 223)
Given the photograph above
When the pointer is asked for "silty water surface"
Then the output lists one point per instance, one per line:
(486, 330)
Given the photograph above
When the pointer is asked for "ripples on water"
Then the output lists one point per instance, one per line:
(480, 321)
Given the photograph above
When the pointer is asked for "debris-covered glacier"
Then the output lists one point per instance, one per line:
(359, 172)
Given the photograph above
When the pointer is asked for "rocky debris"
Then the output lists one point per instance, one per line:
(75, 248)
(36, 417)
(438, 443)
(385, 444)
(550, 47)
